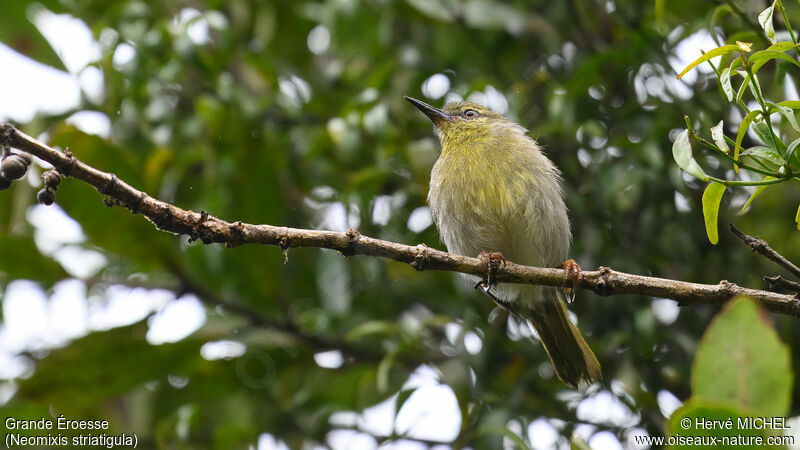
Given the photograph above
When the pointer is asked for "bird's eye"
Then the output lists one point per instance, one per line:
(470, 114)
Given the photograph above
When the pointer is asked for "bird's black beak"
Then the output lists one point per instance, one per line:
(435, 114)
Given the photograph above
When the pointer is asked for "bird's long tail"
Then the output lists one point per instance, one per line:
(572, 358)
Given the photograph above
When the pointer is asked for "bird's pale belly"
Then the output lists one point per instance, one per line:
(475, 211)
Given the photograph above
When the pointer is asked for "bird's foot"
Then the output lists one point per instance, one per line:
(493, 261)
(571, 270)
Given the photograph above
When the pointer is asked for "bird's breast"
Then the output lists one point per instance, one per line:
(509, 202)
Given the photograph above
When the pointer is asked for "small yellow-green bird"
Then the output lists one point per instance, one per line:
(494, 193)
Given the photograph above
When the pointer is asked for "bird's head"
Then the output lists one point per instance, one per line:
(466, 121)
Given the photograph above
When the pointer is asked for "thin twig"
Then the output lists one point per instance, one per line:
(761, 247)
(209, 229)
(778, 283)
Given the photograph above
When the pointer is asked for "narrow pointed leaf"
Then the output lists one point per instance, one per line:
(755, 86)
(711, 200)
(725, 82)
(765, 20)
(744, 85)
(797, 218)
(764, 56)
(720, 12)
(682, 153)
(791, 149)
(718, 135)
(787, 113)
(740, 135)
(793, 104)
(658, 12)
(765, 153)
(755, 194)
(719, 51)
(735, 64)
(781, 46)
(764, 133)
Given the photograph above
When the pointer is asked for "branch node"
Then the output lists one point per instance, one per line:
(67, 170)
(134, 207)
(603, 286)
(163, 217)
(726, 287)
(285, 243)
(108, 188)
(420, 257)
(352, 237)
(237, 229)
(778, 283)
(197, 229)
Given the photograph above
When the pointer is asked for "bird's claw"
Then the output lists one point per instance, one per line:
(493, 261)
(571, 270)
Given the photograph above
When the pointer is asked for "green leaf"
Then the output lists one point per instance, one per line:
(29, 262)
(781, 46)
(718, 136)
(764, 133)
(755, 194)
(755, 86)
(711, 200)
(577, 443)
(19, 33)
(372, 327)
(62, 376)
(382, 374)
(402, 398)
(719, 12)
(658, 12)
(797, 218)
(764, 56)
(765, 20)
(682, 153)
(744, 85)
(741, 362)
(793, 104)
(735, 64)
(725, 81)
(719, 51)
(790, 150)
(787, 113)
(740, 135)
(770, 154)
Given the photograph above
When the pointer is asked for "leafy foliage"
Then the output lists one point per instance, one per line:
(772, 158)
(741, 370)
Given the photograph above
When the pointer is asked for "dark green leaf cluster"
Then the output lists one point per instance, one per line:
(773, 158)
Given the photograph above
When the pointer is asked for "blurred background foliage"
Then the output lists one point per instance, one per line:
(291, 113)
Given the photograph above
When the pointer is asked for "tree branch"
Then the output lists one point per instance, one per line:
(761, 247)
(778, 283)
(210, 229)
